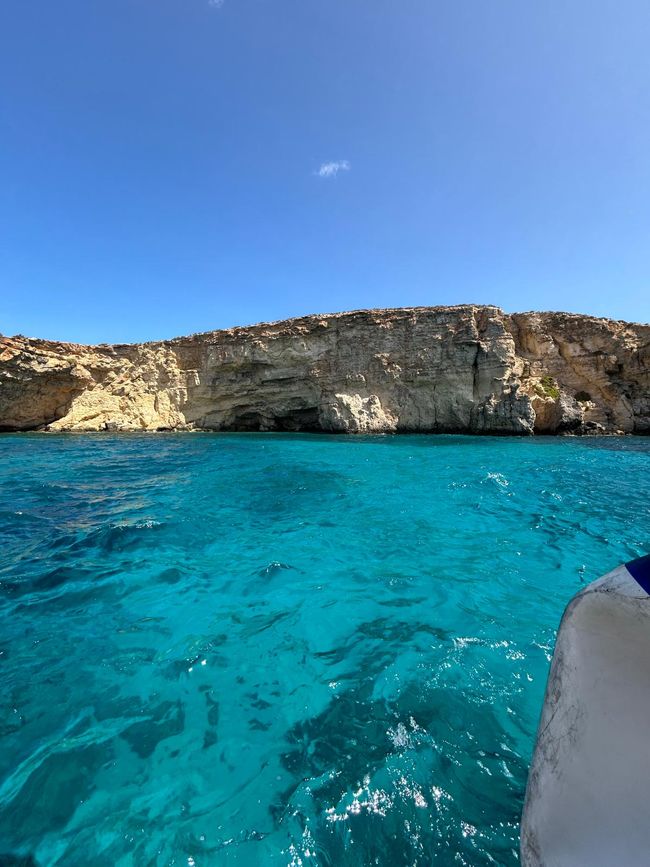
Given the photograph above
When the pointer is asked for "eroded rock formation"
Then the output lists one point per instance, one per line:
(467, 368)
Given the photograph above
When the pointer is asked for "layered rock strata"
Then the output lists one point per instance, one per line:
(466, 369)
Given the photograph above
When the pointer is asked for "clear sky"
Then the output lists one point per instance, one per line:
(170, 166)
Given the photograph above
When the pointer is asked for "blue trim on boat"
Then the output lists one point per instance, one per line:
(640, 571)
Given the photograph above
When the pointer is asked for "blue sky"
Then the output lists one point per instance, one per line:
(161, 160)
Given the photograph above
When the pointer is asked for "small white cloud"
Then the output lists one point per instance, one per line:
(331, 169)
(216, 4)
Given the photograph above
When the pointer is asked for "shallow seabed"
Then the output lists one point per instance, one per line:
(251, 649)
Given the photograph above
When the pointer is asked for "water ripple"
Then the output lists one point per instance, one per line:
(287, 650)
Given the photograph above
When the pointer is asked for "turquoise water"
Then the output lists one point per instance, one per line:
(288, 650)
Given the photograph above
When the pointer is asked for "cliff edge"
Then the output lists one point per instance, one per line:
(470, 369)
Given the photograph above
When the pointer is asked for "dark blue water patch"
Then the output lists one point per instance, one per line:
(250, 649)
(161, 721)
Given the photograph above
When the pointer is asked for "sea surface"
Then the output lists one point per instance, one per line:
(266, 649)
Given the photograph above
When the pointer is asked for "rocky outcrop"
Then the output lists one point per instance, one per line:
(467, 369)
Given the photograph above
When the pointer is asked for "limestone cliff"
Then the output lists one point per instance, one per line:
(465, 368)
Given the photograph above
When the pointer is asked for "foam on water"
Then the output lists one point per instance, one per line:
(288, 650)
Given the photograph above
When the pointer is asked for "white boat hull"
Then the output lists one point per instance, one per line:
(588, 794)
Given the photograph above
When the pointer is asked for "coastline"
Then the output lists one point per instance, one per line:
(463, 369)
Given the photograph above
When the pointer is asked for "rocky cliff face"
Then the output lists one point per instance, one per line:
(470, 369)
